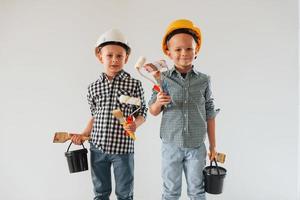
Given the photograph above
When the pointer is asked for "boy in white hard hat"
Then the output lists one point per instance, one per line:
(110, 146)
(188, 113)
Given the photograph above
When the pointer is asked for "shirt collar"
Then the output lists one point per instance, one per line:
(120, 76)
(175, 71)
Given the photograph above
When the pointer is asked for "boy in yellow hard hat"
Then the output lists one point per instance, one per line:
(110, 146)
(188, 113)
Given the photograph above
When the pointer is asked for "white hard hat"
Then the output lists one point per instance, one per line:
(113, 36)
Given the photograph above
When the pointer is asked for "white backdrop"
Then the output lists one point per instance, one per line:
(47, 61)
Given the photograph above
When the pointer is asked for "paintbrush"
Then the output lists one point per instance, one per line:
(220, 157)
(62, 137)
(154, 68)
(130, 100)
(119, 115)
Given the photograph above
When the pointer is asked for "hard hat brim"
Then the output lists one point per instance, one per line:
(182, 24)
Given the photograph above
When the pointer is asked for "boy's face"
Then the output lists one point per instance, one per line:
(182, 50)
(113, 57)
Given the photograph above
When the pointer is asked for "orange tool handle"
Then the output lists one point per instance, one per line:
(129, 120)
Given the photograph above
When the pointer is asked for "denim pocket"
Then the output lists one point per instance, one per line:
(94, 148)
(198, 153)
(170, 151)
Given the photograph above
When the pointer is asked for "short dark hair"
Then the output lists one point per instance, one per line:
(127, 48)
(183, 30)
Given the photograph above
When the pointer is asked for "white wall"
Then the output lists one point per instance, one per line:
(298, 193)
(47, 61)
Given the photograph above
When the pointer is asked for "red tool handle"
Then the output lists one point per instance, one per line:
(129, 119)
(156, 88)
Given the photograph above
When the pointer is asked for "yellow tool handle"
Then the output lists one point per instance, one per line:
(84, 138)
(132, 135)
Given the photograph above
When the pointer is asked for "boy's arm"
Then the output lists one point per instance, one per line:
(140, 116)
(161, 100)
(139, 121)
(155, 108)
(77, 138)
(211, 113)
(211, 138)
(88, 129)
(131, 127)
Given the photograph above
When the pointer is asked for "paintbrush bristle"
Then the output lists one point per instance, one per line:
(60, 137)
(141, 61)
(130, 100)
(119, 115)
(221, 157)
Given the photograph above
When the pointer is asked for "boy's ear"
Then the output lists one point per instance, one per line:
(126, 58)
(99, 56)
(168, 53)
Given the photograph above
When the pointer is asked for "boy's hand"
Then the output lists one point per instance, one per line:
(130, 127)
(162, 98)
(212, 153)
(151, 68)
(77, 138)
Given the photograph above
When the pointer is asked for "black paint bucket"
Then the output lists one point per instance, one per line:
(77, 160)
(214, 178)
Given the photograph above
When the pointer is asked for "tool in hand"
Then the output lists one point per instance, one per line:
(62, 137)
(220, 157)
(154, 68)
(130, 100)
(119, 115)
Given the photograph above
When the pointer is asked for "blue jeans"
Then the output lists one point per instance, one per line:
(123, 166)
(176, 160)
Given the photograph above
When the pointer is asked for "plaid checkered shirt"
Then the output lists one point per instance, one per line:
(184, 120)
(103, 97)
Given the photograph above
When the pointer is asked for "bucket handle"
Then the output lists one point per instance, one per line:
(70, 146)
(218, 170)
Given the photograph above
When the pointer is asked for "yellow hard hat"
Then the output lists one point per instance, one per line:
(185, 25)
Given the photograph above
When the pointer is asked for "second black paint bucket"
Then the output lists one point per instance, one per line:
(214, 178)
(77, 160)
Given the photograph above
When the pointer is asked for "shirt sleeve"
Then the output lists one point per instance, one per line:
(91, 102)
(153, 97)
(140, 93)
(211, 112)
